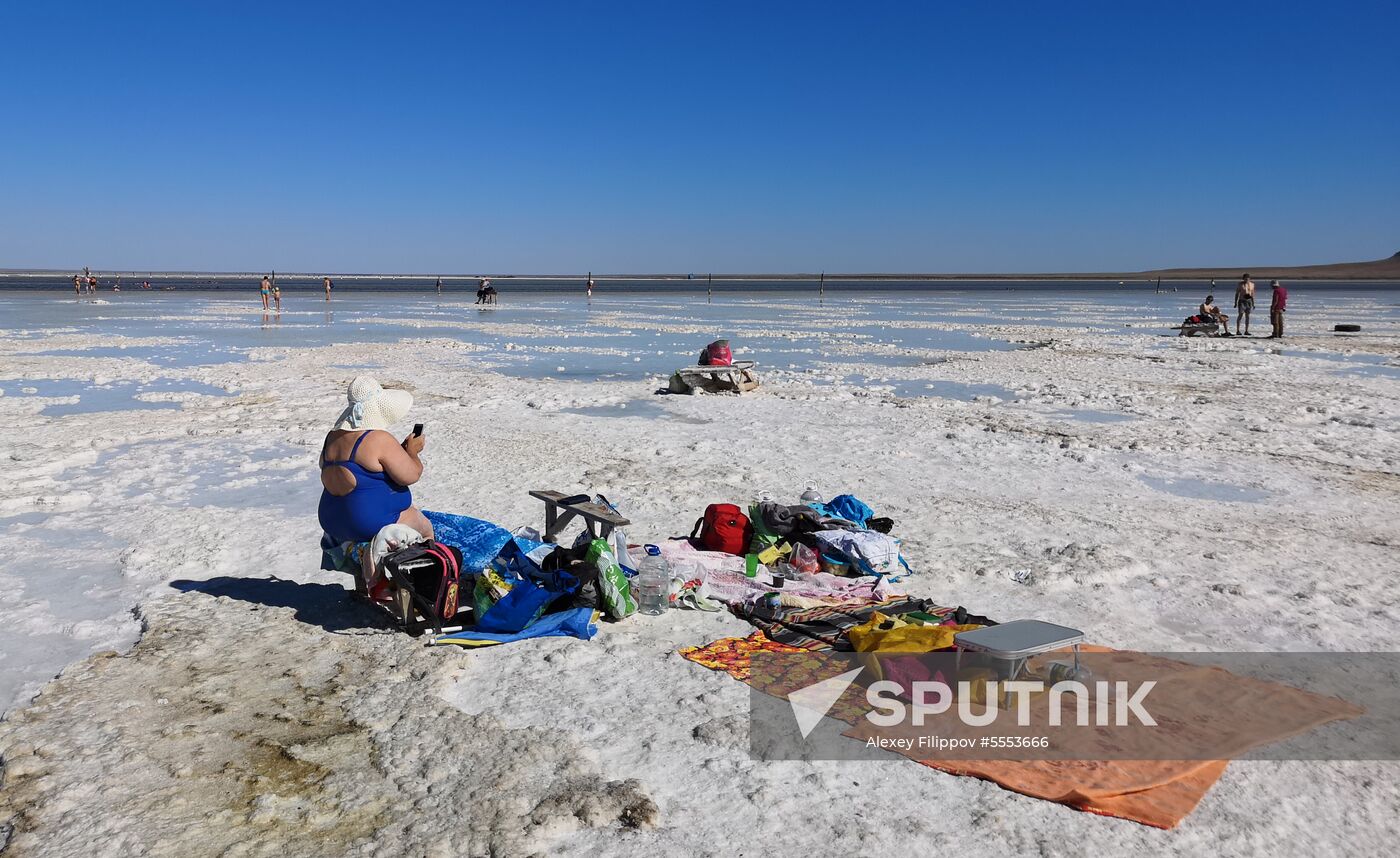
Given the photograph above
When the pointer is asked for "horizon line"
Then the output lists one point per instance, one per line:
(583, 278)
(1186, 272)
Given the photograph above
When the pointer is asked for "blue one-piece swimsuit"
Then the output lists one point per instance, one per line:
(375, 501)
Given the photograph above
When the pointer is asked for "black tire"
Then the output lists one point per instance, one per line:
(1346, 329)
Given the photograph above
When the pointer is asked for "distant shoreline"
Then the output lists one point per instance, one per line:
(222, 280)
(237, 286)
(1378, 270)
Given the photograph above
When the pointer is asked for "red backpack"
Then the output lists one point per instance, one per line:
(724, 528)
(717, 353)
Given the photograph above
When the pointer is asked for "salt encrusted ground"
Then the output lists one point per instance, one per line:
(288, 727)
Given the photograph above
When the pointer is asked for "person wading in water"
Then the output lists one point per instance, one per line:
(1244, 304)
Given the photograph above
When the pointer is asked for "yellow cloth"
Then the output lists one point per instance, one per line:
(896, 634)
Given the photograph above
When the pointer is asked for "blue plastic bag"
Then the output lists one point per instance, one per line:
(532, 589)
(849, 507)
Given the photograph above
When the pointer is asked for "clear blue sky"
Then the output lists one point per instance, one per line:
(697, 136)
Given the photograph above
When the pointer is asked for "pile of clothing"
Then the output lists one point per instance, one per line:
(842, 536)
(812, 555)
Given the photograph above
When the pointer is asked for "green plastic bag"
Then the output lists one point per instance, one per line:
(614, 587)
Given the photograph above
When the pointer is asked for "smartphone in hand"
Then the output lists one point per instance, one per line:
(417, 433)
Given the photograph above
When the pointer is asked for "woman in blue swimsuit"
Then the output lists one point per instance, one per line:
(365, 471)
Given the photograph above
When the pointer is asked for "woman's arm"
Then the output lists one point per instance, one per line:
(400, 462)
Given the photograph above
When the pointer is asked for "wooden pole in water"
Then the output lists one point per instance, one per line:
(821, 287)
(709, 288)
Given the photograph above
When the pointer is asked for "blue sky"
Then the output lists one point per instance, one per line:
(702, 136)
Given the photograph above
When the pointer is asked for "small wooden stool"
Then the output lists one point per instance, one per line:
(599, 520)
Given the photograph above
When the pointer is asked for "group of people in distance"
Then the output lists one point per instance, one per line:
(272, 293)
(1244, 307)
(485, 292)
(87, 283)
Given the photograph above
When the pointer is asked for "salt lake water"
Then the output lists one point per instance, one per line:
(633, 331)
(82, 397)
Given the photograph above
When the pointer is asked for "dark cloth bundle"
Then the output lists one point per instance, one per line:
(782, 520)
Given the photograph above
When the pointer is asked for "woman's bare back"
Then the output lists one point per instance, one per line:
(337, 479)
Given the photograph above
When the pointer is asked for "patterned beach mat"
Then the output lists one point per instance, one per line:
(1159, 793)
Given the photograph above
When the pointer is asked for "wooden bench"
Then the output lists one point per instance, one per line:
(739, 377)
(599, 520)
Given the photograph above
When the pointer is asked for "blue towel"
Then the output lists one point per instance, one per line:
(575, 622)
(479, 541)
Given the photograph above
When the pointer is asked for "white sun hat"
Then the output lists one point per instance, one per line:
(373, 407)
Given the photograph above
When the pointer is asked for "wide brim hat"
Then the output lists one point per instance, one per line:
(372, 407)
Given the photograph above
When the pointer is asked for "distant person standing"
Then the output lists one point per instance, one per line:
(439, 286)
(1276, 309)
(266, 291)
(1244, 303)
(77, 286)
(590, 287)
(277, 296)
(92, 284)
(326, 282)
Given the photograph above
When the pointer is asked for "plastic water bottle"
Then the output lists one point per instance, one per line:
(653, 583)
(810, 493)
